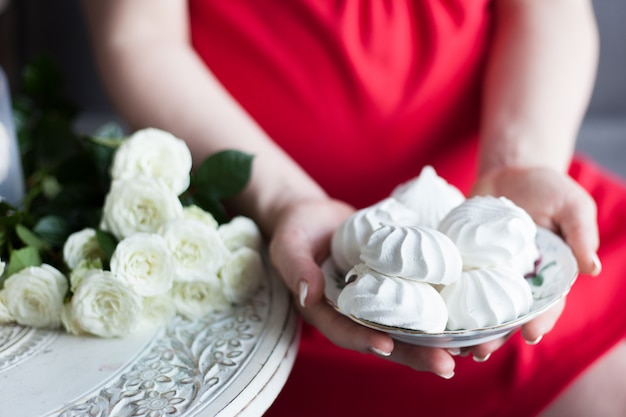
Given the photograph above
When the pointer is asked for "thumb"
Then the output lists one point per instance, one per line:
(580, 231)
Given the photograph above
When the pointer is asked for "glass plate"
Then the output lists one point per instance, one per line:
(555, 274)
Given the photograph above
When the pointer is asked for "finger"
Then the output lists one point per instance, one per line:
(426, 359)
(293, 256)
(345, 333)
(299, 245)
(482, 352)
(535, 329)
(577, 221)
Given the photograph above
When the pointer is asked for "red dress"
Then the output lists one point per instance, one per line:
(363, 94)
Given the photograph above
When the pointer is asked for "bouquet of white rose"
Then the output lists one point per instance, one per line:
(117, 232)
(165, 258)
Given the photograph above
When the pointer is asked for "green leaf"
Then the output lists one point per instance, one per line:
(29, 238)
(111, 130)
(22, 258)
(107, 242)
(224, 174)
(208, 202)
(3, 239)
(22, 111)
(6, 208)
(31, 196)
(101, 151)
(108, 142)
(12, 219)
(53, 230)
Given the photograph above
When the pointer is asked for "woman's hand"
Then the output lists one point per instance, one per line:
(299, 244)
(555, 202)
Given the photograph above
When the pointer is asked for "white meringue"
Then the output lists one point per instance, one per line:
(486, 297)
(491, 231)
(413, 252)
(429, 195)
(356, 229)
(393, 301)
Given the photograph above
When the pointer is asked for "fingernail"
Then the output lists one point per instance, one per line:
(597, 265)
(483, 359)
(303, 289)
(454, 351)
(534, 342)
(446, 376)
(379, 352)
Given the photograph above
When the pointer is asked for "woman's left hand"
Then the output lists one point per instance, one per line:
(555, 202)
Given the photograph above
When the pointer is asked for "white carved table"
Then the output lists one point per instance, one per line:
(230, 363)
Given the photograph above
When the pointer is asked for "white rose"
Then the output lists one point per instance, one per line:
(34, 296)
(81, 245)
(139, 205)
(242, 275)
(194, 299)
(197, 248)
(196, 213)
(157, 310)
(68, 319)
(241, 231)
(144, 261)
(154, 153)
(78, 273)
(5, 315)
(105, 305)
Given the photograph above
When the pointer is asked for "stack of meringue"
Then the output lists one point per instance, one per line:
(427, 259)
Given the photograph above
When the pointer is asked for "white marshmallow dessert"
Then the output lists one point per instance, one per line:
(356, 229)
(413, 252)
(429, 195)
(486, 297)
(393, 301)
(490, 231)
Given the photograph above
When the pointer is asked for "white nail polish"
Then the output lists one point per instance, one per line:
(454, 351)
(303, 289)
(483, 359)
(379, 352)
(534, 342)
(446, 376)
(597, 265)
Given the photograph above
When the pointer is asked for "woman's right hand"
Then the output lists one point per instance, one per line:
(299, 244)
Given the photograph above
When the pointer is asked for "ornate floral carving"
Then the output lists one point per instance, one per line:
(184, 367)
(18, 343)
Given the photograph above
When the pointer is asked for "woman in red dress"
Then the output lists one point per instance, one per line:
(340, 101)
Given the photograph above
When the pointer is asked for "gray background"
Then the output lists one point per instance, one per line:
(28, 27)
